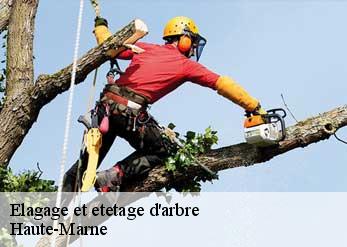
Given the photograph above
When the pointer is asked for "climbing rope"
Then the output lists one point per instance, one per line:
(287, 107)
(92, 92)
(96, 7)
(339, 139)
(69, 110)
(70, 100)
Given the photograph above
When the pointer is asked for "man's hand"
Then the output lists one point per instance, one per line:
(99, 21)
(134, 48)
(261, 111)
(257, 111)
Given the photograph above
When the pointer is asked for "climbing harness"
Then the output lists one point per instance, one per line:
(114, 70)
(93, 134)
(91, 142)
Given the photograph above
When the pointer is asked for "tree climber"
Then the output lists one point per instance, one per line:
(154, 71)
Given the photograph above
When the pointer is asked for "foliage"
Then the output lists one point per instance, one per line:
(185, 155)
(27, 181)
(6, 239)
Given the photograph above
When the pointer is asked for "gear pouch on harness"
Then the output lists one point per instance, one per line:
(104, 125)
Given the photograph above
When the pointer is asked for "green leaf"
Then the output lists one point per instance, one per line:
(190, 135)
(186, 156)
(27, 181)
(171, 126)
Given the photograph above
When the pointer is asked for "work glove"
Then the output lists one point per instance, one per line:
(261, 111)
(99, 21)
(134, 48)
(257, 111)
(231, 90)
(101, 31)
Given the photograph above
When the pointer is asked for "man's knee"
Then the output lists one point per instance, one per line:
(140, 165)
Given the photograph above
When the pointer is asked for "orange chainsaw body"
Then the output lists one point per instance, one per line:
(254, 120)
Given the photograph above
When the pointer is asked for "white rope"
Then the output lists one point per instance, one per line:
(69, 110)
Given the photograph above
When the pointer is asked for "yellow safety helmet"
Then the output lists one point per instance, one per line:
(177, 26)
(186, 28)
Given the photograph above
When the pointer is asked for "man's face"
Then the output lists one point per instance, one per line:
(192, 51)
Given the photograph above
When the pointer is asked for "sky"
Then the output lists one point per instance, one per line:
(297, 48)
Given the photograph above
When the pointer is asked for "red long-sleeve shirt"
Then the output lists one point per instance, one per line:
(160, 69)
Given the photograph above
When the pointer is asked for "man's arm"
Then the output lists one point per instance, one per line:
(231, 90)
(224, 85)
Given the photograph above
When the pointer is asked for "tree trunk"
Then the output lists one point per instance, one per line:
(19, 61)
(19, 78)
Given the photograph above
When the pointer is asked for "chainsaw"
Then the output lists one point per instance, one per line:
(265, 130)
(92, 141)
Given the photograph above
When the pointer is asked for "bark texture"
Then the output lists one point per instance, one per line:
(24, 98)
(304, 133)
(19, 61)
(19, 77)
(5, 7)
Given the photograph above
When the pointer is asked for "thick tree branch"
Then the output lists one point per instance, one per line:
(49, 86)
(5, 7)
(22, 107)
(304, 133)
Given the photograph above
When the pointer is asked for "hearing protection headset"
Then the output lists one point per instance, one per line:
(184, 44)
(190, 42)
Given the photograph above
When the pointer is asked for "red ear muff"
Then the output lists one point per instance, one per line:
(184, 44)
